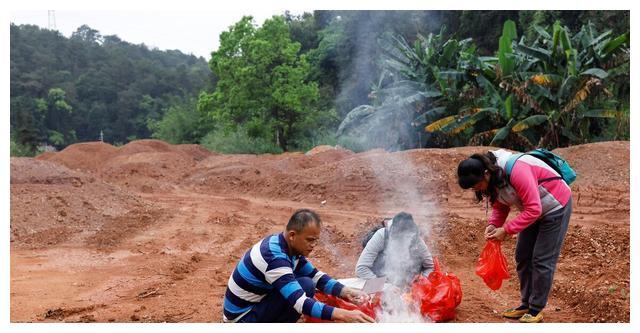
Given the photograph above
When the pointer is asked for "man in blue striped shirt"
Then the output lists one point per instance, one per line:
(274, 282)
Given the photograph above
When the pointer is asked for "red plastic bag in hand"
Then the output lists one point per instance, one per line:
(437, 295)
(492, 265)
(369, 307)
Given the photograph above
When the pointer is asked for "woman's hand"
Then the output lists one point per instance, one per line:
(488, 230)
(497, 234)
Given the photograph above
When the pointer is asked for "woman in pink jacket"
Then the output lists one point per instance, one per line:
(544, 202)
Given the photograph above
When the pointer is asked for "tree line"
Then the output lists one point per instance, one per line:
(362, 79)
(67, 90)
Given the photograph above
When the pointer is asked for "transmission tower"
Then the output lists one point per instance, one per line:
(51, 15)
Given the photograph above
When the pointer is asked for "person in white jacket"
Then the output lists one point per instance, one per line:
(396, 252)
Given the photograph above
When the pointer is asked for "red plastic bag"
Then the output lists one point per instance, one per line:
(437, 295)
(492, 265)
(369, 307)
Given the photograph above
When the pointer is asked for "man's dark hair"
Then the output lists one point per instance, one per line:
(301, 218)
(402, 224)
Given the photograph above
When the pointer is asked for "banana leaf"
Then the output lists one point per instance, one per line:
(465, 122)
(614, 44)
(488, 59)
(568, 134)
(457, 126)
(600, 38)
(508, 108)
(439, 124)
(427, 117)
(505, 54)
(542, 91)
(509, 30)
(449, 49)
(489, 89)
(502, 133)
(541, 32)
(535, 52)
(597, 72)
(556, 37)
(457, 75)
(564, 93)
(355, 117)
(528, 64)
(529, 122)
(564, 40)
(601, 113)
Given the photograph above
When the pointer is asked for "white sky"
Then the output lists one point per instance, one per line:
(194, 27)
(193, 32)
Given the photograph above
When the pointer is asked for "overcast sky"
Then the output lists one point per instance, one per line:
(188, 31)
(170, 26)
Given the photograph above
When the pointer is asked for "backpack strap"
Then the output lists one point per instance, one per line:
(512, 161)
(509, 166)
(386, 233)
(548, 179)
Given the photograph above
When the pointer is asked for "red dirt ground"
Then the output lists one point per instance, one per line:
(150, 232)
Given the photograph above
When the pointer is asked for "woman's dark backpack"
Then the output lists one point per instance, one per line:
(372, 231)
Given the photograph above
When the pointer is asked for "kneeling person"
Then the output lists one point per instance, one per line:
(274, 282)
(396, 252)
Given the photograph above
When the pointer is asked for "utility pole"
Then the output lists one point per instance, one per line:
(51, 16)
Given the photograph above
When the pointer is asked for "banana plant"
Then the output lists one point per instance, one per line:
(567, 81)
(546, 92)
(428, 79)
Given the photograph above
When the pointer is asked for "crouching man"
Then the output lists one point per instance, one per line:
(275, 283)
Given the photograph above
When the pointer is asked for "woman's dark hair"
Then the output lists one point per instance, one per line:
(403, 224)
(471, 171)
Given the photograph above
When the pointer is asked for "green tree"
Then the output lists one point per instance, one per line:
(262, 83)
(57, 115)
(181, 123)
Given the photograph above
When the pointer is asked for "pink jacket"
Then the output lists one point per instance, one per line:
(534, 200)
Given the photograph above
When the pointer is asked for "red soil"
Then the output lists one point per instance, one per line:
(150, 231)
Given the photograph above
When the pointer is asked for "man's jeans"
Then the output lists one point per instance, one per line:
(275, 309)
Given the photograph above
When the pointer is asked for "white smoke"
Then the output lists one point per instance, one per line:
(396, 310)
(395, 173)
(398, 178)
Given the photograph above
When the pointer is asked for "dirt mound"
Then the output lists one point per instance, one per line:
(32, 171)
(51, 204)
(145, 146)
(373, 178)
(323, 148)
(601, 190)
(600, 163)
(88, 156)
(144, 165)
(197, 152)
